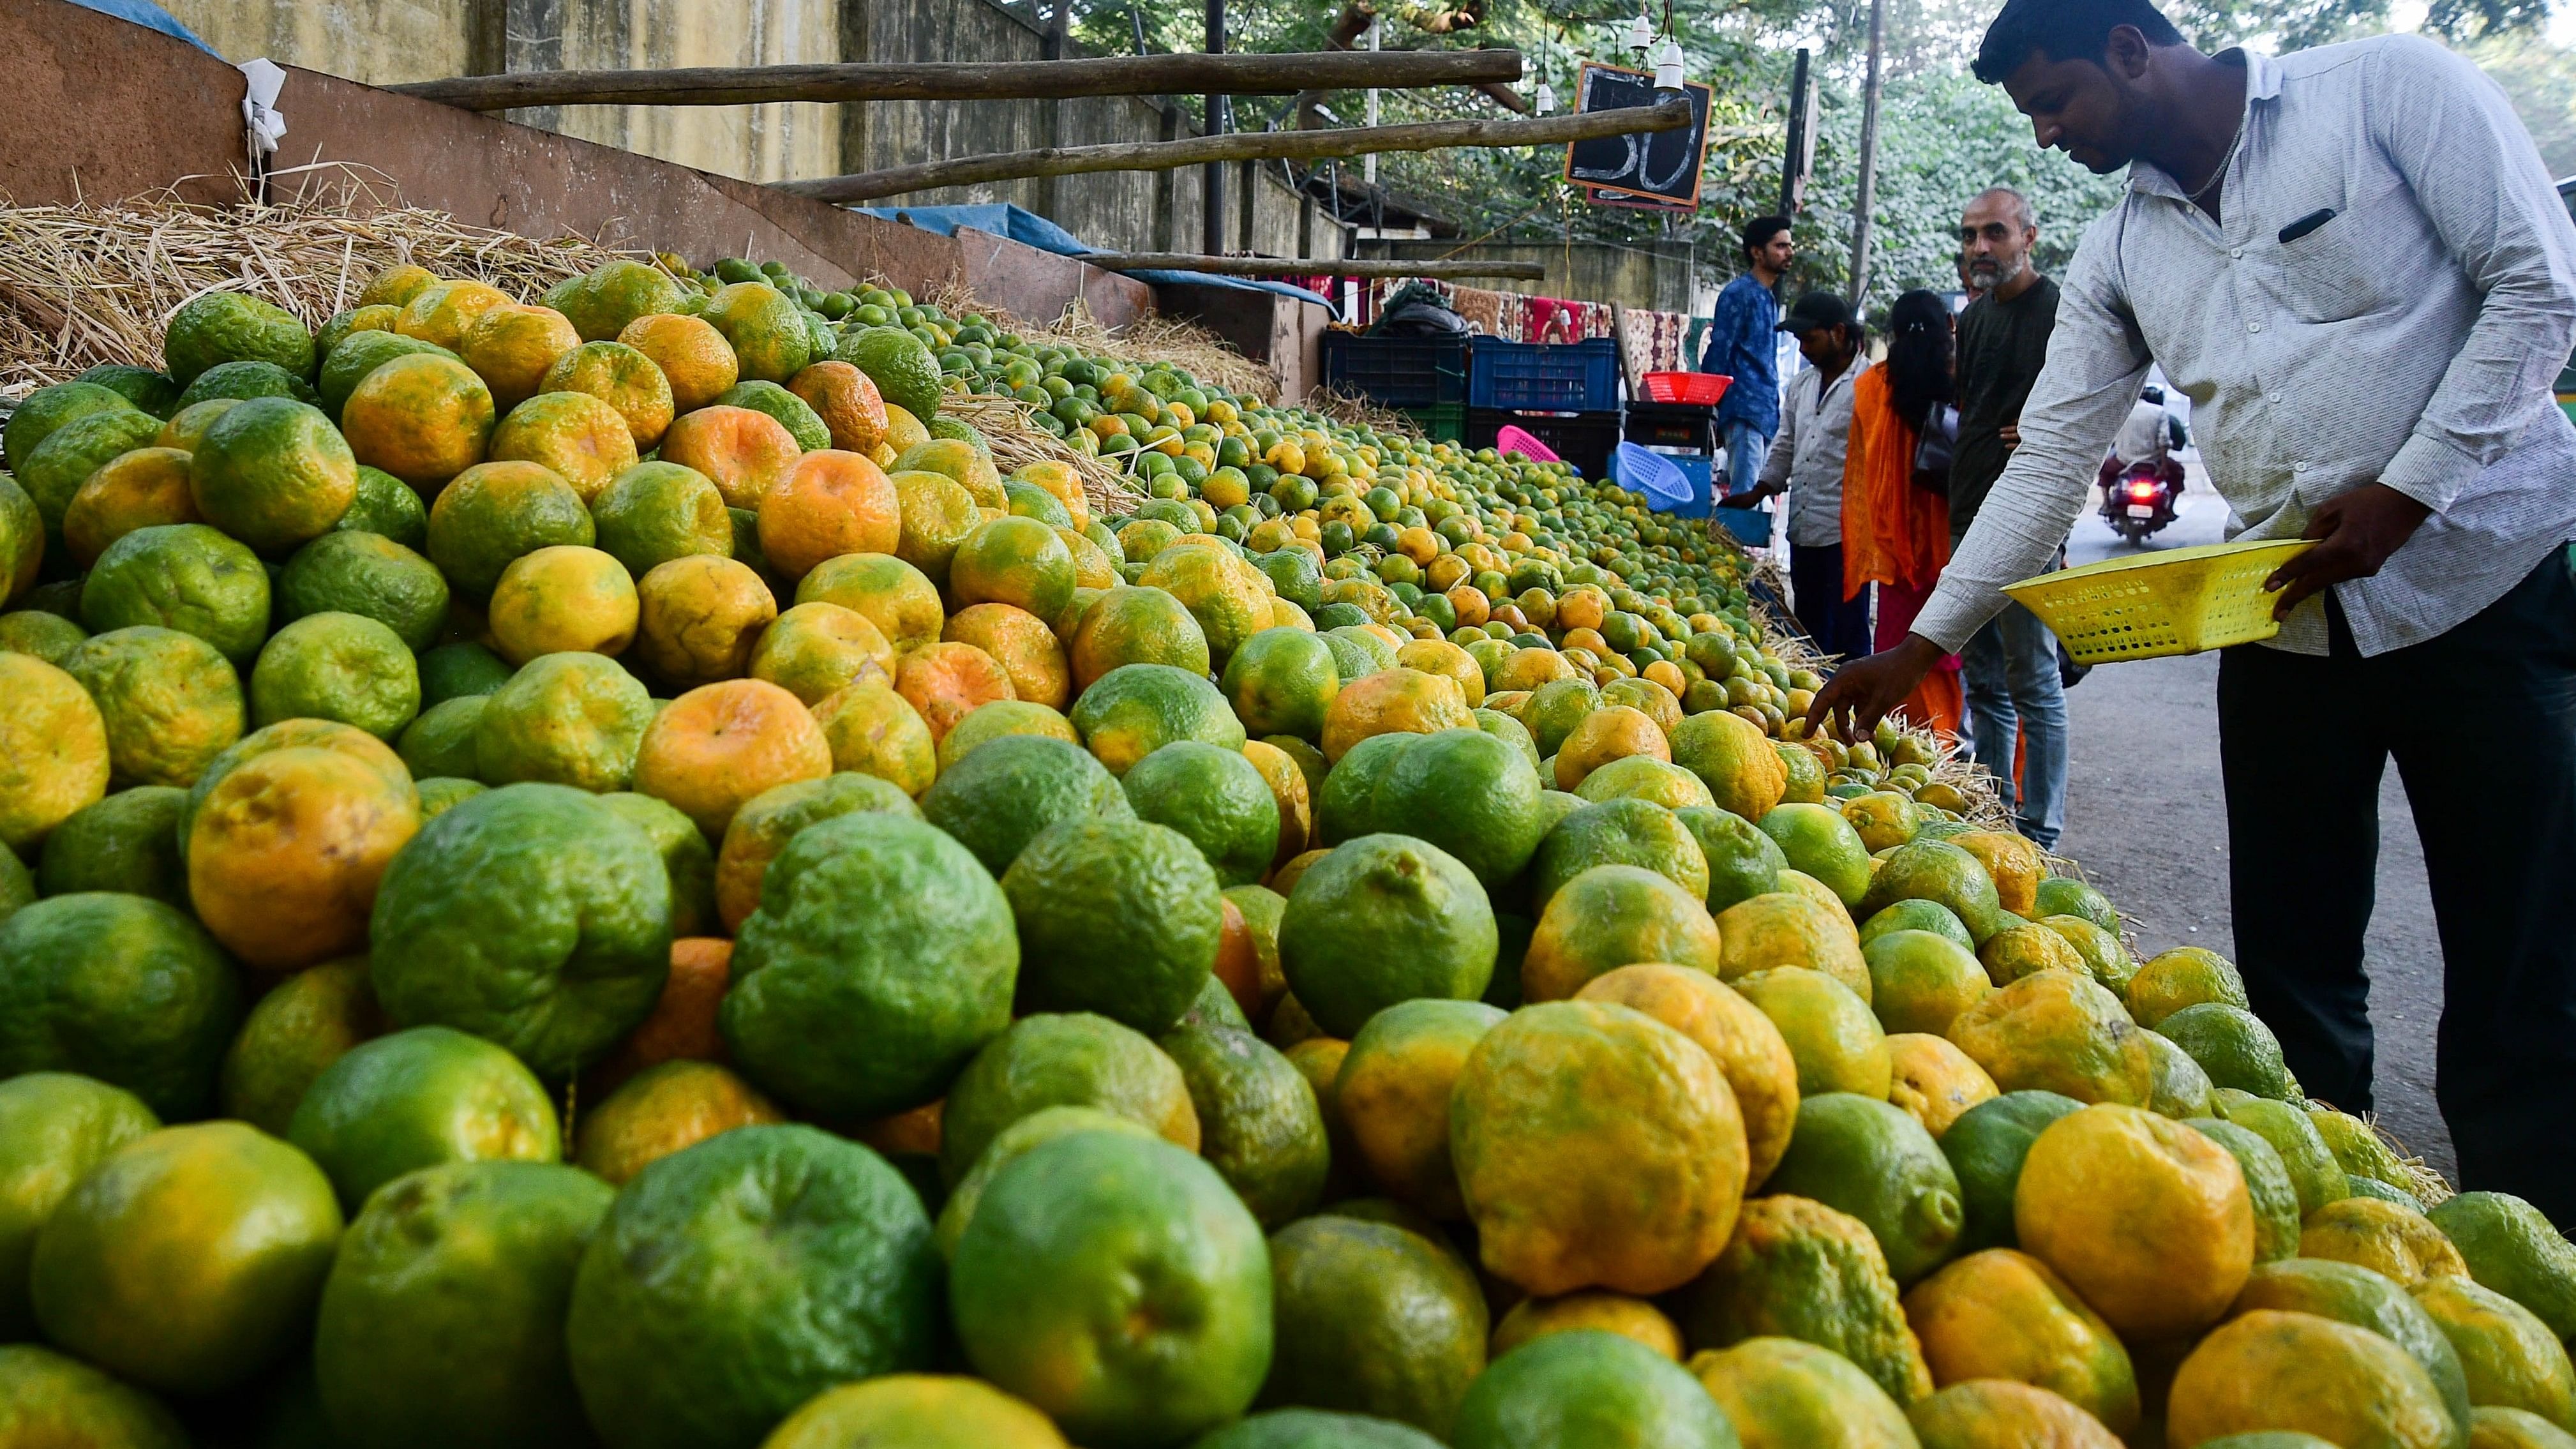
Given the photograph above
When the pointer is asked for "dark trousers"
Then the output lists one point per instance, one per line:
(1838, 625)
(2482, 724)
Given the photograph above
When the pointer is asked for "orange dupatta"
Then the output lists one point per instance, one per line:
(1896, 535)
(1893, 532)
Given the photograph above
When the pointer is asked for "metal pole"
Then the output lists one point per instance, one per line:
(1868, 157)
(1801, 150)
(1368, 163)
(1212, 178)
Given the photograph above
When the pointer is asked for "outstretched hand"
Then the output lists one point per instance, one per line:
(2355, 533)
(1865, 691)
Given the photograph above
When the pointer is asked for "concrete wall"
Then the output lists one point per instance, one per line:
(1656, 275)
(385, 42)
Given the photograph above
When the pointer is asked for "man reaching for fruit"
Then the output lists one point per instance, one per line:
(2353, 261)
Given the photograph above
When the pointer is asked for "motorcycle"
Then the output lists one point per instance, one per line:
(2138, 499)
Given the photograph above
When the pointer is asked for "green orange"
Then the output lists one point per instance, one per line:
(422, 417)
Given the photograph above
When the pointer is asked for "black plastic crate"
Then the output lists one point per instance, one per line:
(1585, 439)
(1567, 377)
(1684, 426)
(1397, 372)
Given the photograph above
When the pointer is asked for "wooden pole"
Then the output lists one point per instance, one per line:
(1867, 193)
(1256, 145)
(1289, 266)
(1212, 179)
(1118, 75)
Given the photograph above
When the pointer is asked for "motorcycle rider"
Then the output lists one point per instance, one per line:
(2150, 436)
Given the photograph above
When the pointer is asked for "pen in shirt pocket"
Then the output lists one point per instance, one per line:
(2306, 224)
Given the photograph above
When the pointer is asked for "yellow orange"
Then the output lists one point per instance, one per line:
(744, 452)
(718, 745)
(621, 377)
(696, 361)
(511, 346)
(830, 503)
(581, 438)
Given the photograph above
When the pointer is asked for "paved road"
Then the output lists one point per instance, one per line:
(2146, 819)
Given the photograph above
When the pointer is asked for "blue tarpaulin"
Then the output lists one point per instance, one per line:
(1030, 229)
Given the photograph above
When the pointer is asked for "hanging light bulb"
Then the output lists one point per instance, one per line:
(1668, 66)
(1545, 102)
(1641, 34)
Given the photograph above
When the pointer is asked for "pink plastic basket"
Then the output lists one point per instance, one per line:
(1513, 440)
(1699, 389)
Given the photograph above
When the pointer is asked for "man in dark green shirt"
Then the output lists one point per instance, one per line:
(2008, 670)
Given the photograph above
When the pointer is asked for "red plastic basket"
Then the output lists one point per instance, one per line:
(1700, 389)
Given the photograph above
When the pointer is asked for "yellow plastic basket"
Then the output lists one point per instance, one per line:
(2180, 601)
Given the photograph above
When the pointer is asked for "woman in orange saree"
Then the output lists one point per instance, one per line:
(1896, 514)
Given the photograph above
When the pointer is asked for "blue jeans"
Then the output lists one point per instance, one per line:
(2009, 673)
(1746, 447)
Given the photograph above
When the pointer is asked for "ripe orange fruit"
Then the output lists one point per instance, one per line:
(847, 402)
(423, 418)
(746, 453)
(621, 377)
(581, 438)
(718, 745)
(945, 682)
(694, 357)
(830, 503)
(511, 346)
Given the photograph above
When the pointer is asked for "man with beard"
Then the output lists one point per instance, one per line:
(2008, 669)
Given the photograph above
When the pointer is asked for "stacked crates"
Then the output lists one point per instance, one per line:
(1424, 378)
(1566, 395)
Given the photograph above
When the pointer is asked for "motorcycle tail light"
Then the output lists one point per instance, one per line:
(2143, 492)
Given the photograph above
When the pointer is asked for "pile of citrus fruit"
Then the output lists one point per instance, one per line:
(592, 872)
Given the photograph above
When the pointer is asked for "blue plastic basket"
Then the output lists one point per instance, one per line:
(1569, 377)
(1652, 474)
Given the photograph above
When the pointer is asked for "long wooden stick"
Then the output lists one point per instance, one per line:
(1306, 266)
(1125, 75)
(1241, 146)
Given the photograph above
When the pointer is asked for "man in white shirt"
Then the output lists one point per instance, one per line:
(1806, 462)
(2353, 262)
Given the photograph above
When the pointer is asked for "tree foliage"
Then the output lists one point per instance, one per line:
(1943, 137)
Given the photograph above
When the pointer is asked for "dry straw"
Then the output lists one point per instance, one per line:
(90, 284)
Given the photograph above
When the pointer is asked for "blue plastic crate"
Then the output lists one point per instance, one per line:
(1397, 372)
(1751, 526)
(1568, 377)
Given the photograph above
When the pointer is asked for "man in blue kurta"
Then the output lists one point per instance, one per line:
(1743, 343)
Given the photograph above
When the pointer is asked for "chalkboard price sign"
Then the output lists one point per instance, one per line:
(1661, 166)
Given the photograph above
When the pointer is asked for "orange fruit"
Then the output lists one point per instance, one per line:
(423, 418)
(718, 745)
(872, 730)
(1613, 732)
(945, 682)
(846, 400)
(1021, 642)
(815, 649)
(898, 598)
(699, 618)
(1135, 625)
(442, 311)
(683, 1024)
(1393, 701)
(766, 328)
(511, 346)
(581, 438)
(696, 361)
(746, 453)
(1016, 561)
(830, 503)
(938, 514)
(2147, 1219)
(285, 852)
(493, 512)
(53, 749)
(132, 490)
(1060, 480)
(397, 285)
(561, 599)
(621, 377)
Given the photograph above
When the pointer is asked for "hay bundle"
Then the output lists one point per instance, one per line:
(91, 284)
